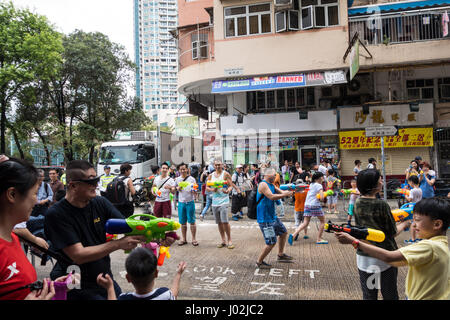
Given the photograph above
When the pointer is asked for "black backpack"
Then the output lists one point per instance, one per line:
(252, 204)
(115, 191)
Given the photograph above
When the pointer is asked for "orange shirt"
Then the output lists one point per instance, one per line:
(300, 198)
(277, 180)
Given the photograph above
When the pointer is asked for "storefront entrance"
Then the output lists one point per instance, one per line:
(309, 156)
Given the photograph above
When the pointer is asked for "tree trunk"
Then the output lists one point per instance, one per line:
(44, 143)
(17, 141)
(3, 127)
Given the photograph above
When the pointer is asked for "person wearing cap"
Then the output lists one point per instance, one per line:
(105, 179)
(238, 195)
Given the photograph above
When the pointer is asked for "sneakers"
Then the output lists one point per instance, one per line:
(263, 265)
(304, 237)
(235, 218)
(322, 242)
(284, 258)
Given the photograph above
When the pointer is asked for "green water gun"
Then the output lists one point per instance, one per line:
(153, 229)
(184, 184)
(217, 184)
(325, 194)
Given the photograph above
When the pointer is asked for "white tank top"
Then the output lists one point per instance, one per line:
(219, 198)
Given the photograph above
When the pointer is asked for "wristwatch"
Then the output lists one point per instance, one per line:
(355, 244)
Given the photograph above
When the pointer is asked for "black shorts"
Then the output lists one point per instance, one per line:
(236, 203)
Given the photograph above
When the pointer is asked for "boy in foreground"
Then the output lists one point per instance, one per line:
(428, 260)
(141, 267)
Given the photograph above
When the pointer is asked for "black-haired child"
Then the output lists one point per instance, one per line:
(141, 267)
(428, 261)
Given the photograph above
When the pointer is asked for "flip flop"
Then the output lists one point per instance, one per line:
(194, 243)
(182, 243)
(221, 245)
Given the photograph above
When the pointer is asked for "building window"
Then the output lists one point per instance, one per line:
(420, 88)
(444, 89)
(199, 46)
(280, 100)
(311, 14)
(319, 13)
(247, 20)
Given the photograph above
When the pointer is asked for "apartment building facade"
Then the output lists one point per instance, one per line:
(157, 59)
(284, 65)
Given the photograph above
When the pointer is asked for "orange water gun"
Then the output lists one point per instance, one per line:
(163, 253)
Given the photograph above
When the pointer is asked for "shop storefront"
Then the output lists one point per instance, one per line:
(414, 137)
(289, 138)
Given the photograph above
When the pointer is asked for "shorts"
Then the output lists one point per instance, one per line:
(221, 213)
(236, 203)
(186, 212)
(332, 199)
(351, 206)
(162, 209)
(298, 218)
(313, 211)
(271, 230)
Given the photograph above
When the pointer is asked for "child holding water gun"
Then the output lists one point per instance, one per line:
(141, 267)
(375, 213)
(353, 196)
(312, 208)
(415, 195)
(300, 198)
(428, 260)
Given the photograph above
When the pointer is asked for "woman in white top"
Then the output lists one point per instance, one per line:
(313, 208)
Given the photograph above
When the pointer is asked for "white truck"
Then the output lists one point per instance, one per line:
(135, 147)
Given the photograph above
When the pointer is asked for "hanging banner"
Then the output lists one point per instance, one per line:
(186, 126)
(280, 82)
(407, 137)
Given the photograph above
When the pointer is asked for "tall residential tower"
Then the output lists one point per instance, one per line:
(156, 56)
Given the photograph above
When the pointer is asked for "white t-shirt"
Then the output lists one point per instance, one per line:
(311, 197)
(323, 169)
(158, 182)
(187, 194)
(416, 195)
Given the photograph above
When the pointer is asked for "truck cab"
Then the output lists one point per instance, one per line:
(136, 149)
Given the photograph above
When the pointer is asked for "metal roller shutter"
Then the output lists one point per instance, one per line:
(397, 159)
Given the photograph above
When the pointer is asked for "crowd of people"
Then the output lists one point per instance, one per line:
(75, 217)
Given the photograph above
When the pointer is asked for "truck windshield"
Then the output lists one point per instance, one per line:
(119, 154)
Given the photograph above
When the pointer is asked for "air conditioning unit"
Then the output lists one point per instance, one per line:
(283, 4)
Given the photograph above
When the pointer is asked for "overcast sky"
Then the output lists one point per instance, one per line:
(111, 17)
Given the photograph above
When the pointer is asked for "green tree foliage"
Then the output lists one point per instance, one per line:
(30, 49)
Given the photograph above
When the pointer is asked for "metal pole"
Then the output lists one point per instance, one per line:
(383, 163)
(158, 134)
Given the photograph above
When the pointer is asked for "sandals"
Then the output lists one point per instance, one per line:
(182, 243)
(221, 245)
(195, 243)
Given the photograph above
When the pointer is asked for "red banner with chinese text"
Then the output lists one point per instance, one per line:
(407, 137)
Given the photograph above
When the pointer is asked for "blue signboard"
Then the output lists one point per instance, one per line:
(259, 83)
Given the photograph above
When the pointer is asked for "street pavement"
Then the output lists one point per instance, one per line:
(318, 271)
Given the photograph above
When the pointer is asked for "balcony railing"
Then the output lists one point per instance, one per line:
(400, 27)
(195, 46)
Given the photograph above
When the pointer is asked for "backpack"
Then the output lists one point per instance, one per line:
(252, 204)
(115, 191)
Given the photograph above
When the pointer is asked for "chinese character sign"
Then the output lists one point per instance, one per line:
(408, 137)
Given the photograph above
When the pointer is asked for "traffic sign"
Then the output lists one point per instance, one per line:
(381, 131)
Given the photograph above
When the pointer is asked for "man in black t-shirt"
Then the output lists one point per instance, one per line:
(75, 227)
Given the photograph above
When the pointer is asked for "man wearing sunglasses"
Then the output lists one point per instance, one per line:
(75, 227)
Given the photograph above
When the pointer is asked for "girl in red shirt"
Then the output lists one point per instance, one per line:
(18, 192)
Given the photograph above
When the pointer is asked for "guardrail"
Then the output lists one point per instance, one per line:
(402, 27)
(195, 46)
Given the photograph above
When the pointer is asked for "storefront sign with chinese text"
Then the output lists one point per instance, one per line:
(408, 137)
(389, 115)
